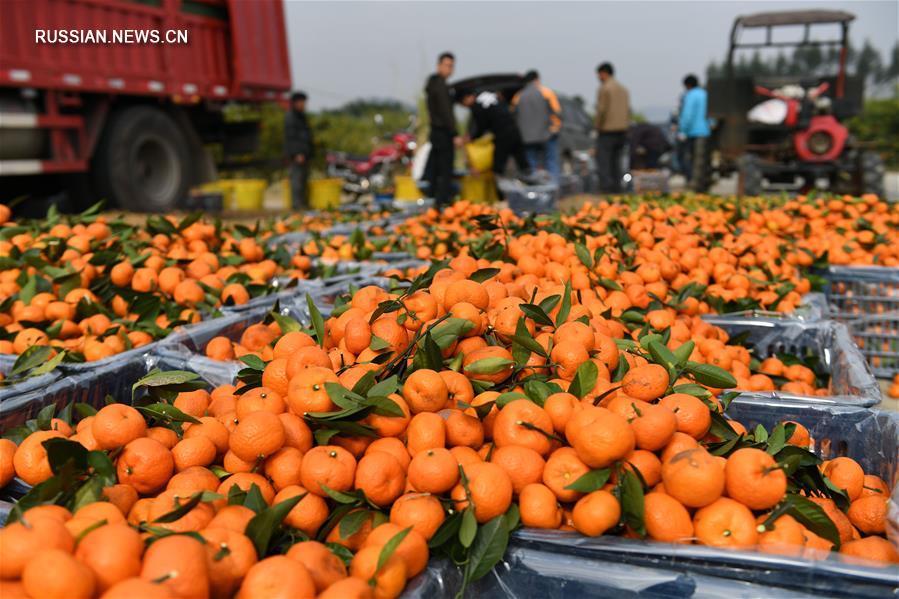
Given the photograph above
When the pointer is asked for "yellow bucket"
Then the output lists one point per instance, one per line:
(286, 200)
(248, 195)
(324, 194)
(479, 189)
(406, 189)
(480, 154)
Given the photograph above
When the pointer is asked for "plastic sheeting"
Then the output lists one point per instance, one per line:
(851, 379)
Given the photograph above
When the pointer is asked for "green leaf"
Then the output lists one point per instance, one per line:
(179, 380)
(29, 359)
(583, 254)
(584, 379)
(378, 344)
(493, 365)
(488, 548)
(429, 355)
(448, 530)
(761, 434)
(538, 391)
(529, 343)
(536, 314)
(166, 413)
(812, 516)
(352, 522)
(286, 323)
(683, 353)
(565, 308)
(63, 451)
(339, 496)
(591, 481)
(185, 508)
(469, 527)
(609, 284)
(318, 323)
(777, 440)
(508, 397)
(384, 388)
(254, 362)
(447, 332)
(262, 527)
(479, 276)
(254, 499)
(692, 389)
(711, 375)
(28, 290)
(390, 547)
(50, 364)
(662, 355)
(631, 496)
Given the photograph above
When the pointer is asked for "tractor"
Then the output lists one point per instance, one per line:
(788, 133)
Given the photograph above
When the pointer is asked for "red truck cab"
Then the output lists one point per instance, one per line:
(127, 92)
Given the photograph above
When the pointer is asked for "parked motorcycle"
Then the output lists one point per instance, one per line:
(373, 172)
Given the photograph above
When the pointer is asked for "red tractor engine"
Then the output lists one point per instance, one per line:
(822, 141)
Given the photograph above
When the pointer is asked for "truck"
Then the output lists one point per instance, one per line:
(123, 97)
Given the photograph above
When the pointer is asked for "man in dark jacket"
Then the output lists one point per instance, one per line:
(490, 114)
(298, 145)
(443, 131)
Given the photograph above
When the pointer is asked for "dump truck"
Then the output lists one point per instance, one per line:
(122, 97)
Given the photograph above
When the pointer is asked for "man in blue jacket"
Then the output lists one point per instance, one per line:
(693, 128)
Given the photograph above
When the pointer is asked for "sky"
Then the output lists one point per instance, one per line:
(342, 50)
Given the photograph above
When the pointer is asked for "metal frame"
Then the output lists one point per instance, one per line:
(807, 19)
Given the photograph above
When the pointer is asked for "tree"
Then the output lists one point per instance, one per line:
(868, 66)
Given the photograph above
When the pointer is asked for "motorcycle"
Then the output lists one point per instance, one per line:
(370, 174)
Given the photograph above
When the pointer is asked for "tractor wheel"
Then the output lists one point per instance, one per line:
(871, 172)
(750, 176)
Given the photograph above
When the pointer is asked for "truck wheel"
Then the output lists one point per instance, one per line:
(871, 172)
(142, 162)
(750, 176)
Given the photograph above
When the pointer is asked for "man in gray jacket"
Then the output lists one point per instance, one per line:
(537, 111)
(298, 145)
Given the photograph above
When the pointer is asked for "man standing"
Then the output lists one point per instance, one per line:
(443, 131)
(613, 112)
(490, 114)
(538, 112)
(298, 144)
(693, 130)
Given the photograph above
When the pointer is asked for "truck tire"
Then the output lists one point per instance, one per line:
(871, 173)
(750, 176)
(142, 162)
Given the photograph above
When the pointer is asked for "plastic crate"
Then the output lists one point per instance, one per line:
(851, 379)
(857, 291)
(553, 564)
(867, 299)
(878, 340)
(186, 350)
(529, 199)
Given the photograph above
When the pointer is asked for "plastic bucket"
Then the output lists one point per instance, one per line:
(480, 154)
(324, 194)
(406, 189)
(479, 189)
(248, 194)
